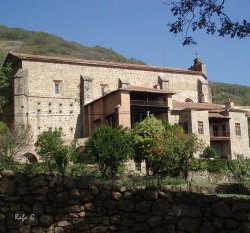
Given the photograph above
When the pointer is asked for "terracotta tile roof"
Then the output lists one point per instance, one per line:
(199, 106)
(64, 60)
(145, 89)
(216, 115)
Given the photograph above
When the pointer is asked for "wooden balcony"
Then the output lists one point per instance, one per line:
(219, 136)
(148, 103)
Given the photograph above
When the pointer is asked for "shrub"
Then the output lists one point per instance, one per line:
(217, 166)
(109, 147)
(52, 151)
(209, 152)
(198, 164)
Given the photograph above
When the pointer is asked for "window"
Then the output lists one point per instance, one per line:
(104, 89)
(200, 127)
(237, 129)
(57, 86)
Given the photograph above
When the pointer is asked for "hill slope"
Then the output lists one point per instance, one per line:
(238, 93)
(23, 41)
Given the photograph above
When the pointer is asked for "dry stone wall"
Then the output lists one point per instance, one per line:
(50, 203)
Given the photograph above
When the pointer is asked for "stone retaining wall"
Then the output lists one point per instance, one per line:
(48, 203)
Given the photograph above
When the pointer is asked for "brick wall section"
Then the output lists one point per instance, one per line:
(52, 204)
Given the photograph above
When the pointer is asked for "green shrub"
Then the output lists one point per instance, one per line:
(53, 152)
(217, 166)
(198, 164)
(209, 152)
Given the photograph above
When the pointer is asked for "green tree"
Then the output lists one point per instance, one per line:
(179, 149)
(209, 152)
(205, 14)
(148, 142)
(109, 147)
(53, 152)
(4, 82)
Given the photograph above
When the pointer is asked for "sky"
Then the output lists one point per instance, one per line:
(135, 28)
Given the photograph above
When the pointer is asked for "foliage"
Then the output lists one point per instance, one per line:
(46, 44)
(53, 152)
(148, 136)
(217, 166)
(205, 14)
(209, 152)
(240, 168)
(4, 74)
(11, 141)
(198, 164)
(165, 148)
(221, 92)
(109, 147)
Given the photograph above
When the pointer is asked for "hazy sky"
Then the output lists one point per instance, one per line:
(135, 28)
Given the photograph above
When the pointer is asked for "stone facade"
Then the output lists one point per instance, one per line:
(70, 95)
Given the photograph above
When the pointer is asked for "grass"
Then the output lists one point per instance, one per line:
(231, 195)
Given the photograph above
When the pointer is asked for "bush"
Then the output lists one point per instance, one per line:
(217, 166)
(109, 147)
(209, 152)
(198, 165)
(52, 151)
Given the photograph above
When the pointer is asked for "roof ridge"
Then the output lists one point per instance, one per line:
(103, 63)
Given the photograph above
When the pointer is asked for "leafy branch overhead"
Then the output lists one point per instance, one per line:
(192, 15)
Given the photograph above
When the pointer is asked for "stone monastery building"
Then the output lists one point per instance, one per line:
(78, 95)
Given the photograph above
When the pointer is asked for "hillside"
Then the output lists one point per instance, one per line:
(23, 41)
(221, 92)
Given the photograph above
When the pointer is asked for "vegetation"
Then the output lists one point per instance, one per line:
(209, 152)
(221, 92)
(41, 43)
(23, 41)
(164, 147)
(148, 136)
(4, 74)
(53, 152)
(11, 142)
(209, 15)
(109, 147)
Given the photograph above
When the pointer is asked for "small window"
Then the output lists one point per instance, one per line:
(200, 127)
(57, 88)
(237, 129)
(57, 84)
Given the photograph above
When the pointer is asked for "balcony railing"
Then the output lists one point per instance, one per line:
(149, 103)
(220, 135)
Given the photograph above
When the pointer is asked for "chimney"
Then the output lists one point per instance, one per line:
(229, 104)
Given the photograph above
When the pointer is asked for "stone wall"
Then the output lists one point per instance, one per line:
(48, 203)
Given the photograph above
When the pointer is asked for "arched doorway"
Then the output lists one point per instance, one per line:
(31, 157)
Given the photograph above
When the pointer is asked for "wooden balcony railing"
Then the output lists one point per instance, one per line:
(219, 135)
(149, 103)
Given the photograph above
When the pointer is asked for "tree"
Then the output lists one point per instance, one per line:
(4, 74)
(205, 14)
(164, 147)
(148, 141)
(109, 147)
(11, 141)
(53, 152)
